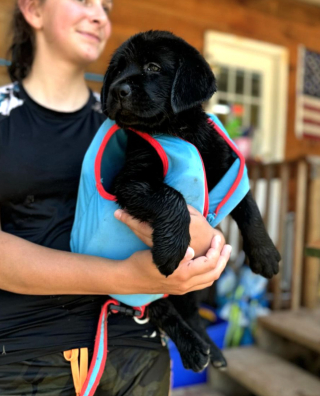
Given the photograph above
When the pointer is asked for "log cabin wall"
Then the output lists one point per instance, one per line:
(283, 22)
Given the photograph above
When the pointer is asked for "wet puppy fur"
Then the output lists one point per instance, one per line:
(157, 83)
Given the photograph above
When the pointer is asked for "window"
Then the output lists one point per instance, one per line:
(252, 91)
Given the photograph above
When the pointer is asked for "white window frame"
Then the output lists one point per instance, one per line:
(278, 57)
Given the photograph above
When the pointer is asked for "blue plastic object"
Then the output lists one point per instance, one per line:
(183, 377)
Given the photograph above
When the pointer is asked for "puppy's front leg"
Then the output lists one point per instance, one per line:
(166, 211)
(263, 255)
(194, 351)
(140, 189)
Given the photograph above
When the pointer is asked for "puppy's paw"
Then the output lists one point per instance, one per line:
(168, 253)
(167, 265)
(217, 359)
(264, 260)
(195, 355)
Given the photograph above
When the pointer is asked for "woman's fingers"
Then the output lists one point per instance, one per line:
(203, 264)
(203, 271)
(190, 275)
(189, 254)
(142, 230)
(205, 280)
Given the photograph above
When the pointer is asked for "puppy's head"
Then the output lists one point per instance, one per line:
(153, 76)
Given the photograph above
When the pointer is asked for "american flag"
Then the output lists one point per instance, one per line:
(308, 94)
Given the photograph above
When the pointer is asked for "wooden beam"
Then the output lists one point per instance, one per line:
(301, 194)
(269, 176)
(315, 2)
(285, 178)
(310, 293)
(313, 249)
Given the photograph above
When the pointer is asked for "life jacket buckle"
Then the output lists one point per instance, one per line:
(125, 310)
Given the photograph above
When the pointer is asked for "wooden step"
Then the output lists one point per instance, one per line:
(301, 326)
(197, 390)
(267, 375)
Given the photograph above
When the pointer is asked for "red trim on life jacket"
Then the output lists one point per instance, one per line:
(162, 154)
(157, 146)
(206, 194)
(241, 169)
(97, 166)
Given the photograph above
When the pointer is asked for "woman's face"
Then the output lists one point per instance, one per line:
(76, 29)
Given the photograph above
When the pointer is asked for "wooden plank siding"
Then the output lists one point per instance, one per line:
(282, 22)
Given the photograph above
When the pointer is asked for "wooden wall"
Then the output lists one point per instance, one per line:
(282, 22)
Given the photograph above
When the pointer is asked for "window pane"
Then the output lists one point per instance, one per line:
(256, 85)
(255, 116)
(223, 79)
(239, 82)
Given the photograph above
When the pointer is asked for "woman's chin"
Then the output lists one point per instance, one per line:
(88, 55)
(88, 58)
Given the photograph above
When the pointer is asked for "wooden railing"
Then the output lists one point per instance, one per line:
(288, 195)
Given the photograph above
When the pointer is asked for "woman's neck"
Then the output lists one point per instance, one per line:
(58, 86)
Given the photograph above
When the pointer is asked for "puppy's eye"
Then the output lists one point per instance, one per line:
(153, 67)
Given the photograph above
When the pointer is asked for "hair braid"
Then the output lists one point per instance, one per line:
(22, 48)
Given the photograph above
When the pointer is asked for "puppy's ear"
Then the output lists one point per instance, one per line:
(194, 82)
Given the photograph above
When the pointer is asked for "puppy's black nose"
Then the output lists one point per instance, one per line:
(124, 90)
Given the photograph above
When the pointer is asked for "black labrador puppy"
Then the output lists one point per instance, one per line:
(156, 83)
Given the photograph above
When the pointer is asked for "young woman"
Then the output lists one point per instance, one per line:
(50, 298)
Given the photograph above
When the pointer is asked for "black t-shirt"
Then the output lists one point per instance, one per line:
(41, 153)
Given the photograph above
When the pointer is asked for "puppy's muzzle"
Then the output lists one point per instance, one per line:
(121, 91)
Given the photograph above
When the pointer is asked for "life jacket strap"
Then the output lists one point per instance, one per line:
(86, 383)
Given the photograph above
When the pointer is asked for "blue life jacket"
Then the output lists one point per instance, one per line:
(97, 232)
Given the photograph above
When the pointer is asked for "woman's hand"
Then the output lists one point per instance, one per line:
(201, 231)
(142, 230)
(139, 275)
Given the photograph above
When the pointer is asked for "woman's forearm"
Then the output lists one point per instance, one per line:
(28, 268)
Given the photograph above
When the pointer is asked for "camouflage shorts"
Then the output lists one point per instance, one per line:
(128, 372)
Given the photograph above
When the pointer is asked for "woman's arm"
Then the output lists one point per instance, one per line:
(28, 268)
